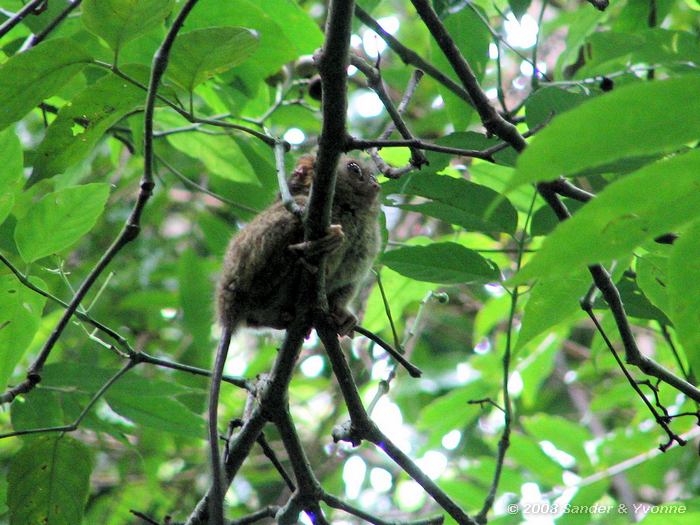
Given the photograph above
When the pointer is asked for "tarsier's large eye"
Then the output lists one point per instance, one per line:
(354, 168)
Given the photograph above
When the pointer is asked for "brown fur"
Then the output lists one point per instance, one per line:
(259, 279)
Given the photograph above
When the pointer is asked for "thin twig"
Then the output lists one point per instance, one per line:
(76, 423)
(186, 180)
(412, 370)
(287, 198)
(374, 80)
(410, 57)
(383, 167)
(33, 5)
(51, 26)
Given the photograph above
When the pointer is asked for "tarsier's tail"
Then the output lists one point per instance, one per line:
(216, 511)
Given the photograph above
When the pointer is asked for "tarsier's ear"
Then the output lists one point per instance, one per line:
(302, 176)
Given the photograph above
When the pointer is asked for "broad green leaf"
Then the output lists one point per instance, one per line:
(49, 482)
(20, 313)
(195, 298)
(551, 302)
(161, 413)
(549, 101)
(636, 120)
(118, 21)
(81, 124)
(276, 46)
(536, 364)
(636, 303)
(11, 159)
(566, 435)
(60, 219)
(401, 292)
(473, 39)
(7, 201)
(611, 51)
(469, 140)
(456, 201)
(544, 220)
(28, 78)
(295, 22)
(447, 262)
(453, 410)
(684, 291)
(519, 7)
(72, 376)
(221, 155)
(652, 278)
(641, 206)
(202, 53)
(526, 452)
(40, 408)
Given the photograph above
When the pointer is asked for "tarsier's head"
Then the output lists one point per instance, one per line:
(355, 187)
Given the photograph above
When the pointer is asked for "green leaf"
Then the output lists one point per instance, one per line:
(641, 206)
(71, 376)
(466, 140)
(276, 47)
(456, 201)
(28, 78)
(20, 313)
(161, 413)
(636, 303)
(525, 451)
(566, 435)
(202, 53)
(544, 219)
(40, 408)
(472, 38)
(7, 202)
(49, 482)
(118, 21)
(11, 159)
(636, 120)
(684, 291)
(447, 262)
(82, 123)
(221, 155)
(551, 302)
(519, 7)
(195, 298)
(59, 219)
(401, 292)
(652, 279)
(453, 410)
(549, 101)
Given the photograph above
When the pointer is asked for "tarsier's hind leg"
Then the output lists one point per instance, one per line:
(343, 319)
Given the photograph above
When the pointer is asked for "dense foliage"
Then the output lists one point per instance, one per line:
(523, 392)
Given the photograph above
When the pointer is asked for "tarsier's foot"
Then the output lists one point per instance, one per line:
(344, 321)
(326, 244)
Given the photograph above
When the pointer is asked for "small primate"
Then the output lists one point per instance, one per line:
(263, 264)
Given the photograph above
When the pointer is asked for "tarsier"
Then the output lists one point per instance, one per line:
(263, 264)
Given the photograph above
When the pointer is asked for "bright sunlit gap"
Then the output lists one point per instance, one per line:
(372, 44)
(312, 366)
(380, 479)
(365, 103)
(433, 464)
(450, 441)
(521, 34)
(354, 473)
(294, 136)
